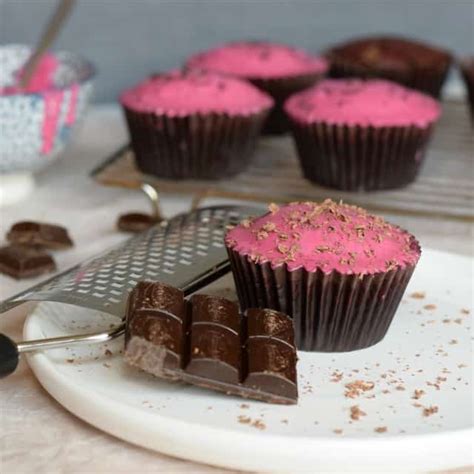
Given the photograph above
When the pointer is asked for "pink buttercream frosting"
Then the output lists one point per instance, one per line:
(193, 92)
(258, 60)
(377, 103)
(326, 236)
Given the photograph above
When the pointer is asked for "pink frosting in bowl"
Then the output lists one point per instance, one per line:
(41, 80)
(42, 114)
(327, 236)
(178, 93)
(377, 103)
(258, 60)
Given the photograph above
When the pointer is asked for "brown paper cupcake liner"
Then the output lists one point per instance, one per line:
(198, 146)
(429, 81)
(354, 158)
(467, 71)
(280, 89)
(331, 312)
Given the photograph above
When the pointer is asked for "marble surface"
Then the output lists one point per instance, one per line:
(36, 433)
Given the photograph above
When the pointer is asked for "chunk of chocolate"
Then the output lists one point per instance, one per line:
(37, 234)
(271, 366)
(207, 342)
(153, 297)
(215, 353)
(136, 222)
(156, 315)
(213, 309)
(271, 323)
(25, 262)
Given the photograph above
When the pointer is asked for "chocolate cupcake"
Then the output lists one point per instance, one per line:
(277, 69)
(194, 125)
(467, 69)
(338, 271)
(358, 135)
(410, 63)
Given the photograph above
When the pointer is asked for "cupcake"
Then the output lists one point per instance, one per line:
(358, 135)
(277, 69)
(467, 69)
(194, 125)
(410, 63)
(338, 271)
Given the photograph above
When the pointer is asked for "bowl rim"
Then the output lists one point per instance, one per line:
(91, 71)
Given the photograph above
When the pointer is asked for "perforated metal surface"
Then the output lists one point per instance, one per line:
(176, 252)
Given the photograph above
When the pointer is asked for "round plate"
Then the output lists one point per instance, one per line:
(415, 412)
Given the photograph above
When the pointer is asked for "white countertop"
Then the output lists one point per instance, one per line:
(36, 433)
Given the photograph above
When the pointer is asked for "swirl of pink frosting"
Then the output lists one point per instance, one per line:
(377, 103)
(178, 93)
(256, 60)
(327, 236)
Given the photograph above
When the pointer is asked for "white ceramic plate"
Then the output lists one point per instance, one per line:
(428, 348)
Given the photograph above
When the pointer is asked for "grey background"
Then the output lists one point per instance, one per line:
(128, 39)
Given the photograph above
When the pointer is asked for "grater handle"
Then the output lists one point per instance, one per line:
(9, 356)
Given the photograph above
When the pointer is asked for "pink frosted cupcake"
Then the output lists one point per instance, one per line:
(354, 135)
(338, 271)
(277, 69)
(194, 125)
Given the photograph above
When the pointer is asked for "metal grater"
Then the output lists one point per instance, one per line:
(179, 252)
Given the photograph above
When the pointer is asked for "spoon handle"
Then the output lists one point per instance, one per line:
(48, 36)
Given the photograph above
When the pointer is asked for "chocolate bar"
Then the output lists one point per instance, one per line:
(38, 234)
(136, 222)
(25, 262)
(205, 341)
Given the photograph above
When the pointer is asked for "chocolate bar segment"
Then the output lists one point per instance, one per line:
(216, 310)
(157, 297)
(136, 222)
(207, 342)
(25, 262)
(215, 353)
(271, 353)
(271, 367)
(271, 323)
(215, 339)
(156, 319)
(36, 234)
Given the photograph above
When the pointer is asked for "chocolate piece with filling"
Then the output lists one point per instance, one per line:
(37, 234)
(157, 314)
(136, 222)
(207, 342)
(25, 262)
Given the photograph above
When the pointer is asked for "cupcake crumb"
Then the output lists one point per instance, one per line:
(245, 420)
(356, 413)
(428, 411)
(380, 429)
(259, 424)
(417, 394)
(336, 376)
(354, 389)
(418, 295)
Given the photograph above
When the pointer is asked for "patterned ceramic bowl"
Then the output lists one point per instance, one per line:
(36, 126)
